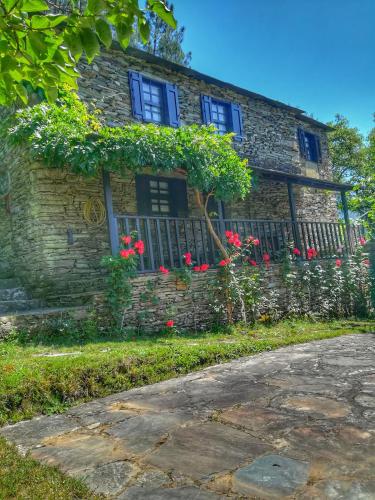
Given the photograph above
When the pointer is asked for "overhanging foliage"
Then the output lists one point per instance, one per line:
(67, 135)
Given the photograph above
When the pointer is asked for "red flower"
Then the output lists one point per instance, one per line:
(362, 241)
(197, 269)
(233, 239)
(256, 242)
(249, 239)
(366, 262)
(163, 270)
(169, 323)
(266, 259)
(126, 239)
(187, 257)
(224, 262)
(338, 262)
(204, 267)
(125, 254)
(253, 263)
(296, 251)
(311, 253)
(140, 247)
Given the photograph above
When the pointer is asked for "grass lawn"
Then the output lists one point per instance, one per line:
(34, 379)
(47, 375)
(24, 478)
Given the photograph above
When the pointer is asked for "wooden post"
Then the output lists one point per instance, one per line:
(293, 215)
(111, 219)
(345, 210)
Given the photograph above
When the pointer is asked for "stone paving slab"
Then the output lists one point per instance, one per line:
(296, 423)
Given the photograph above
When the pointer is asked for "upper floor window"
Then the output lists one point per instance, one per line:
(154, 101)
(309, 145)
(220, 116)
(226, 116)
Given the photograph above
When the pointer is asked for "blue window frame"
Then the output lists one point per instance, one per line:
(154, 101)
(226, 116)
(220, 116)
(309, 145)
(153, 98)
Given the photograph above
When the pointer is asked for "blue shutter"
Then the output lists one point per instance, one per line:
(173, 108)
(206, 109)
(136, 92)
(301, 142)
(236, 121)
(318, 149)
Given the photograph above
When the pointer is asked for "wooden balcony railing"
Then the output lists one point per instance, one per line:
(167, 239)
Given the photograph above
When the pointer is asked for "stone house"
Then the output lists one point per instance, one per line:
(55, 226)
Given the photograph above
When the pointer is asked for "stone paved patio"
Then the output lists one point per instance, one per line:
(298, 422)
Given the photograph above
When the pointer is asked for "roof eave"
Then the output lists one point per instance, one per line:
(313, 182)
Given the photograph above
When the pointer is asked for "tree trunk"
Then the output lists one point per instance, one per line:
(210, 227)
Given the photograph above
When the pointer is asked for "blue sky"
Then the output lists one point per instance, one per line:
(318, 55)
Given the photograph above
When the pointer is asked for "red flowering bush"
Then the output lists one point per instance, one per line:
(266, 259)
(239, 289)
(139, 247)
(187, 257)
(163, 270)
(311, 253)
(169, 323)
(201, 269)
(121, 269)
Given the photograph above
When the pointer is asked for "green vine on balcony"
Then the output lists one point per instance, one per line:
(67, 135)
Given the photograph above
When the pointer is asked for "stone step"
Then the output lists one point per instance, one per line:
(13, 294)
(13, 306)
(9, 283)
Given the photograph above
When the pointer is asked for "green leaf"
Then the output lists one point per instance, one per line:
(95, 6)
(8, 63)
(39, 22)
(51, 93)
(56, 19)
(104, 32)
(124, 31)
(74, 44)
(3, 47)
(22, 93)
(163, 12)
(9, 4)
(144, 30)
(42, 22)
(34, 6)
(90, 43)
(38, 44)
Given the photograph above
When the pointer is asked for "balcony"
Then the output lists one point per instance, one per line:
(167, 239)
